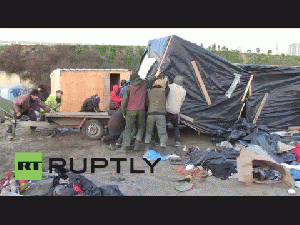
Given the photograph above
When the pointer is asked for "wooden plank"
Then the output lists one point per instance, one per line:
(39, 124)
(247, 88)
(78, 114)
(202, 85)
(190, 119)
(250, 90)
(241, 110)
(67, 121)
(263, 101)
(294, 128)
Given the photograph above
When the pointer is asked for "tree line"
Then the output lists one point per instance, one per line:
(36, 62)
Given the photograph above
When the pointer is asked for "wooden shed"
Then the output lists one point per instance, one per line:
(79, 84)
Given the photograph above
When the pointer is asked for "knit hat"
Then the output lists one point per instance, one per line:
(95, 99)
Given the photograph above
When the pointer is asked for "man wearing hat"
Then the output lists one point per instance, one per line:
(91, 104)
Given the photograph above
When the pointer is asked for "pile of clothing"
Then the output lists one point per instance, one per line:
(71, 184)
(11, 187)
(221, 161)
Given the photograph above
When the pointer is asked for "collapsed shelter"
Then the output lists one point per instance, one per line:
(219, 92)
(274, 100)
(216, 89)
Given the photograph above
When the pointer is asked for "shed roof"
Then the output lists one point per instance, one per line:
(57, 71)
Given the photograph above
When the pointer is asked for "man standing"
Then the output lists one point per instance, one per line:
(115, 99)
(124, 87)
(133, 108)
(157, 113)
(174, 102)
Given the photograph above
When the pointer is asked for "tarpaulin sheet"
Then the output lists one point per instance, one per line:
(6, 106)
(158, 45)
(282, 108)
(218, 75)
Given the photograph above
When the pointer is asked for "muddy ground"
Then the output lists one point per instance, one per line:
(160, 183)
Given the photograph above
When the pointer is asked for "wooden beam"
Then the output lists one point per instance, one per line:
(158, 71)
(262, 103)
(247, 88)
(241, 110)
(190, 119)
(200, 80)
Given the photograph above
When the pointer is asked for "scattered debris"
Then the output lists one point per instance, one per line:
(70, 184)
(11, 187)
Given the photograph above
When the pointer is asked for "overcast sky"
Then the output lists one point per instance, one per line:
(233, 38)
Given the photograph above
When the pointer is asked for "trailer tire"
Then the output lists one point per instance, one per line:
(93, 129)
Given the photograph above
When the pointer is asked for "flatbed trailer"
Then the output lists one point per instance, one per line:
(91, 124)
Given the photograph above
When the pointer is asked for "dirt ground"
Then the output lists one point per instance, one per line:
(160, 183)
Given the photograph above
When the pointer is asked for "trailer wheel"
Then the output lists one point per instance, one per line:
(92, 129)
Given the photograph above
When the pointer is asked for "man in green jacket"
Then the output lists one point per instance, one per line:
(133, 108)
(53, 102)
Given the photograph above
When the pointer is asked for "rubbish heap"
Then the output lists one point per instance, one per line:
(71, 184)
(252, 154)
(11, 187)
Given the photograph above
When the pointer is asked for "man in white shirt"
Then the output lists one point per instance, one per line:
(175, 99)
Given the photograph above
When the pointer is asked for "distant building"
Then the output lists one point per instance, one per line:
(294, 49)
(13, 79)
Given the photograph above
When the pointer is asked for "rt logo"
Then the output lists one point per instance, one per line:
(28, 166)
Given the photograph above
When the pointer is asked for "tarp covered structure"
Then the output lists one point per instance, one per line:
(281, 88)
(215, 87)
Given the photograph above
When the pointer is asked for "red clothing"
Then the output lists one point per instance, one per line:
(137, 98)
(23, 104)
(115, 96)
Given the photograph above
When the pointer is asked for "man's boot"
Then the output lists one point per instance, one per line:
(137, 146)
(121, 150)
(148, 146)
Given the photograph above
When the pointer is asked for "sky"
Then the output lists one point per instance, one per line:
(233, 38)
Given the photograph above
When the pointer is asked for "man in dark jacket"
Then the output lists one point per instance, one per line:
(43, 93)
(91, 104)
(116, 125)
(133, 107)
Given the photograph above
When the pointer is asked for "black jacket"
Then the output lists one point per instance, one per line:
(116, 123)
(88, 106)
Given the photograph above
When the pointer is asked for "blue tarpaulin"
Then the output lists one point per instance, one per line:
(157, 45)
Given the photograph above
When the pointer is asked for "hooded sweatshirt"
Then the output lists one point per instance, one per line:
(114, 95)
(176, 96)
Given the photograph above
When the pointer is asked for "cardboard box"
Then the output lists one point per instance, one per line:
(249, 158)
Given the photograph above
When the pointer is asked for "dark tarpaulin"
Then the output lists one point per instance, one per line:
(217, 74)
(282, 108)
